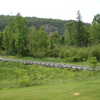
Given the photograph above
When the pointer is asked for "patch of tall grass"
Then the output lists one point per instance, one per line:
(20, 75)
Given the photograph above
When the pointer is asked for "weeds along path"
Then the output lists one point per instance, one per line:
(48, 64)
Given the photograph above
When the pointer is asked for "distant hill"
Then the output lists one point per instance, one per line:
(51, 25)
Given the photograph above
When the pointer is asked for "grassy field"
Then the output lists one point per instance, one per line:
(19, 75)
(86, 90)
(32, 82)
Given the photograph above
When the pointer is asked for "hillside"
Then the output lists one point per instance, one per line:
(51, 25)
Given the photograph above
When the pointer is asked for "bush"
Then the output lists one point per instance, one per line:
(73, 54)
(67, 52)
(25, 81)
(52, 52)
(40, 53)
(93, 62)
(82, 54)
(95, 52)
(76, 59)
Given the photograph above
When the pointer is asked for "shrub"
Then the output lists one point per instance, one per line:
(67, 52)
(93, 62)
(76, 59)
(52, 52)
(25, 81)
(82, 54)
(95, 52)
(40, 52)
(77, 54)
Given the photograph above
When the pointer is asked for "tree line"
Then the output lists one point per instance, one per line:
(19, 39)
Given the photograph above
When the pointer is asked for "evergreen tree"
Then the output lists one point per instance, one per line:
(81, 34)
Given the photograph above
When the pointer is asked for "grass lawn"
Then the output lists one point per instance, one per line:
(33, 82)
(88, 90)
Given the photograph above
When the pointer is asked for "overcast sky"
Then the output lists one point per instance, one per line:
(60, 9)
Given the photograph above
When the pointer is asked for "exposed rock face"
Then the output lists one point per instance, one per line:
(50, 28)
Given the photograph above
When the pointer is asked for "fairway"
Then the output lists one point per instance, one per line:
(88, 90)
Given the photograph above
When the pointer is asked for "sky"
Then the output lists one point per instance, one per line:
(56, 9)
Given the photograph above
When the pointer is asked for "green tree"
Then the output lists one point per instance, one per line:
(96, 19)
(39, 42)
(69, 34)
(31, 39)
(9, 39)
(81, 34)
(95, 30)
(15, 36)
(1, 40)
(54, 39)
(22, 31)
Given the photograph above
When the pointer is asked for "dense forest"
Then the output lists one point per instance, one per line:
(73, 40)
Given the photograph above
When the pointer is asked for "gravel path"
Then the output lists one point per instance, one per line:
(48, 64)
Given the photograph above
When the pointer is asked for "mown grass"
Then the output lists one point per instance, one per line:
(32, 82)
(88, 90)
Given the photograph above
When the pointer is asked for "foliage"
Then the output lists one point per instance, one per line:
(93, 62)
(69, 34)
(1, 40)
(94, 51)
(15, 41)
(81, 36)
(20, 75)
(77, 43)
(95, 34)
(38, 42)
